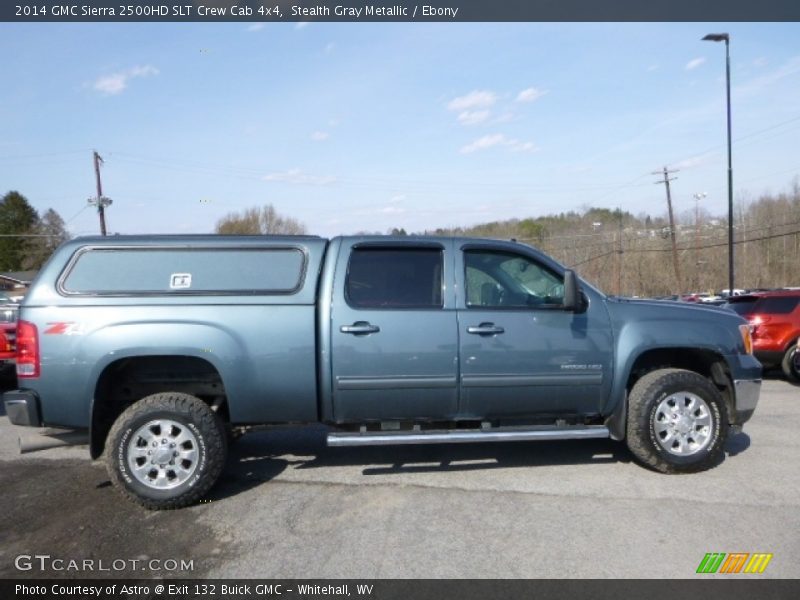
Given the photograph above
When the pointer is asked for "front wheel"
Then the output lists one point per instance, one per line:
(166, 450)
(677, 421)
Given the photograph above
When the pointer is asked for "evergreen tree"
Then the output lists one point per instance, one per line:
(17, 218)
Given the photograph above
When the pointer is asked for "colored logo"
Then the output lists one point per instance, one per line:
(736, 562)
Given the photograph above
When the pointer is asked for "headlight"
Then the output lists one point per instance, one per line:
(747, 338)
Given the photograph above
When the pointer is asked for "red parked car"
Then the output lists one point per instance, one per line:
(775, 322)
(8, 353)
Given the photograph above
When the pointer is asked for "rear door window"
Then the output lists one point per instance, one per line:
(777, 305)
(384, 277)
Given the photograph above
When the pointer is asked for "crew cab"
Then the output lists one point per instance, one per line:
(156, 347)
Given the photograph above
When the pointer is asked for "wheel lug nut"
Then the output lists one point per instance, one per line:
(164, 441)
(174, 454)
(172, 445)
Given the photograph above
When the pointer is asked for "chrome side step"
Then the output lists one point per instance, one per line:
(386, 438)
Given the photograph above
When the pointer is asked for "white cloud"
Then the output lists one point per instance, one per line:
(111, 84)
(504, 118)
(789, 69)
(530, 94)
(694, 63)
(392, 210)
(522, 146)
(473, 117)
(652, 68)
(486, 141)
(116, 83)
(696, 161)
(397, 198)
(474, 100)
(256, 26)
(473, 108)
(330, 47)
(320, 136)
(301, 25)
(296, 176)
(498, 139)
(760, 62)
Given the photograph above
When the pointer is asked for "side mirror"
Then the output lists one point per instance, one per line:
(572, 292)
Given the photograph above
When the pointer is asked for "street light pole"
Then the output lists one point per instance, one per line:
(724, 37)
(697, 197)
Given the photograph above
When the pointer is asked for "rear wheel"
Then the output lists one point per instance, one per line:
(166, 450)
(791, 364)
(677, 421)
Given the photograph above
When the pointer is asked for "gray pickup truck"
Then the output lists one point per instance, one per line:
(158, 348)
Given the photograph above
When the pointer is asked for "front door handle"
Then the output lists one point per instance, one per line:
(485, 329)
(360, 328)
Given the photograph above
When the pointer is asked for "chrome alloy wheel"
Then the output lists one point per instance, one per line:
(683, 424)
(163, 453)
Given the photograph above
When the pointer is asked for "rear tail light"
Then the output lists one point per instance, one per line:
(756, 322)
(27, 350)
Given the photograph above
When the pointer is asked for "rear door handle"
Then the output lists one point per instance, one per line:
(360, 328)
(485, 329)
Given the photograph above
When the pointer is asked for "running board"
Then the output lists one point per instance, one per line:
(386, 438)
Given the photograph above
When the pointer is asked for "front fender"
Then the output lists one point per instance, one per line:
(643, 327)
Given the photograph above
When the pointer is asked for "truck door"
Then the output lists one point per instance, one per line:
(393, 332)
(521, 353)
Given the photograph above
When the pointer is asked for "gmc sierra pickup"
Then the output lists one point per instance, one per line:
(158, 347)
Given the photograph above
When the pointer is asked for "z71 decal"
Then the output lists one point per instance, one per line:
(62, 328)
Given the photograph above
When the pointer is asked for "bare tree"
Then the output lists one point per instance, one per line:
(259, 221)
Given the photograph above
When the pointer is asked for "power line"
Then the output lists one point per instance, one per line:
(371, 182)
(740, 138)
(41, 155)
(707, 247)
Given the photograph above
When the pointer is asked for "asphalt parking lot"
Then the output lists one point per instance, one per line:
(288, 506)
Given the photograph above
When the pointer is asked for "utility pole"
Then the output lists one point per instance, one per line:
(675, 264)
(100, 200)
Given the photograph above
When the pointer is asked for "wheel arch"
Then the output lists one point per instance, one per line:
(124, 381)
(704, 361)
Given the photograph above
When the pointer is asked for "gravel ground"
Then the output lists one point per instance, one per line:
(288, 506)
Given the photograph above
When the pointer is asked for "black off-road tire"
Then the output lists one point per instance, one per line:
(643, 403)
(203, 423)
(790, 364)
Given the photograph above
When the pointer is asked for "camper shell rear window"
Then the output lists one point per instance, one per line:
(166, 271)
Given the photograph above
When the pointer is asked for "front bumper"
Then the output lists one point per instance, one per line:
(747, 392)
(22, 408)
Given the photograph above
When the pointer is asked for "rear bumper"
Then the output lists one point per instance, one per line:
(769, 357)
(22, 408)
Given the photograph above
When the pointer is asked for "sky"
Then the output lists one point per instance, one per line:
(354, 127)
